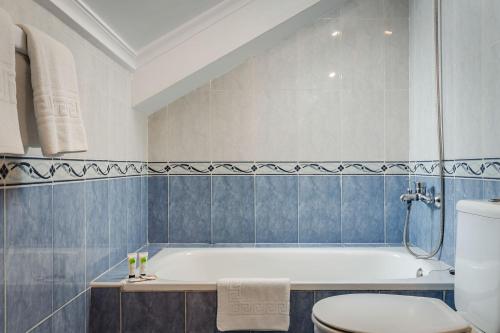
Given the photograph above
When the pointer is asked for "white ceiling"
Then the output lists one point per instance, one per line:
(140, 22)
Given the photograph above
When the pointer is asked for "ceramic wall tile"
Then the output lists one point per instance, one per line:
(117, 200)
(362, 125)
(366, 226)
(276, 199)
(276, 120)
(97, 228)
(233, 209)
(232, 126)
(158, 209)
(153, 312)
(188, 127)
(69, 241)
(28, 256)
(189, 209)
(319, 209)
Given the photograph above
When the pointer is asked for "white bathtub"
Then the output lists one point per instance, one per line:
(342, 268)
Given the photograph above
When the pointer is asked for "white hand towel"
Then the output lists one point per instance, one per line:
(10, 135)
(55, 94)
(253, 304)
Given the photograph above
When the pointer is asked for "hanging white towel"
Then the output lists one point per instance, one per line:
(253, 304)
(10, 135)
(55, 94)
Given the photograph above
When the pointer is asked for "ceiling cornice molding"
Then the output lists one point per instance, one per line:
(189, 29)
(84, 20)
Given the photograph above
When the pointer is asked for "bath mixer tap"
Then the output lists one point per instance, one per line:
(421, 194)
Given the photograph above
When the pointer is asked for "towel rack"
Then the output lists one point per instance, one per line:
(20, 37)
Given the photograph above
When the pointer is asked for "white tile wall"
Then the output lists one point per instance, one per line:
(114, 130)
(284, 104)
(423, 116)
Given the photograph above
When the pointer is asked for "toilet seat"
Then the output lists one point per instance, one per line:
(376, 313)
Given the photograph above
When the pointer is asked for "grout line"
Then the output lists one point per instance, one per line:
(58, 310)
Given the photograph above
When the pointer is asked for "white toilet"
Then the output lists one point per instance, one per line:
(477, 289)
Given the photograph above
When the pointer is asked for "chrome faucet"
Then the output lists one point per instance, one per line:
(421, 194)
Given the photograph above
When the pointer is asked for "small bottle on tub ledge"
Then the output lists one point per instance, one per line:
(143, 260)
(132, 261)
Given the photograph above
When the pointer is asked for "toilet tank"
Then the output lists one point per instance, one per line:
(477, 264)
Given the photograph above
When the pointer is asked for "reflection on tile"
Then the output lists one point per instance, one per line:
(28, 256)
(319, 209)
(153, 312)
(97, 228)
(395, 210)
(276, 209)
(158, 209)
(201, 312)
(189, 209)
(362, 225)
(233, 215)
(117, 195)
(104, 310)
(71, 318)
(69, 241)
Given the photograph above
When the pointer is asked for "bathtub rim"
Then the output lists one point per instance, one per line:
(435, 280)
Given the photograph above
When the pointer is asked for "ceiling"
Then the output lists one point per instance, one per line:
(139, 23)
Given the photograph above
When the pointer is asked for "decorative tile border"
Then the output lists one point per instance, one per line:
(278, 168)
(32, 170)
(487, 168)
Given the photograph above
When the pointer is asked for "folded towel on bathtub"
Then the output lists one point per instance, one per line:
(10, 135)
(253, 304)
(55, 94)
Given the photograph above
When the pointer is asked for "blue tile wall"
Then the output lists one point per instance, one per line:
(424, 221)
(491, 189)
(201, 312)
(97, 228)
(158, 209)
(276, 201)
(134, 218)
(104, 310)
(319, 209)
(238, 209)
(153, 312)
(189, 209)
(29, 259)
(363, 209)
(71, 318)
(69, 241)
(394, 209)
(196, 312)
(51, 228)
(117, 199)
(233, 210)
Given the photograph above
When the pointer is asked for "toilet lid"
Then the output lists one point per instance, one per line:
(379, 313)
